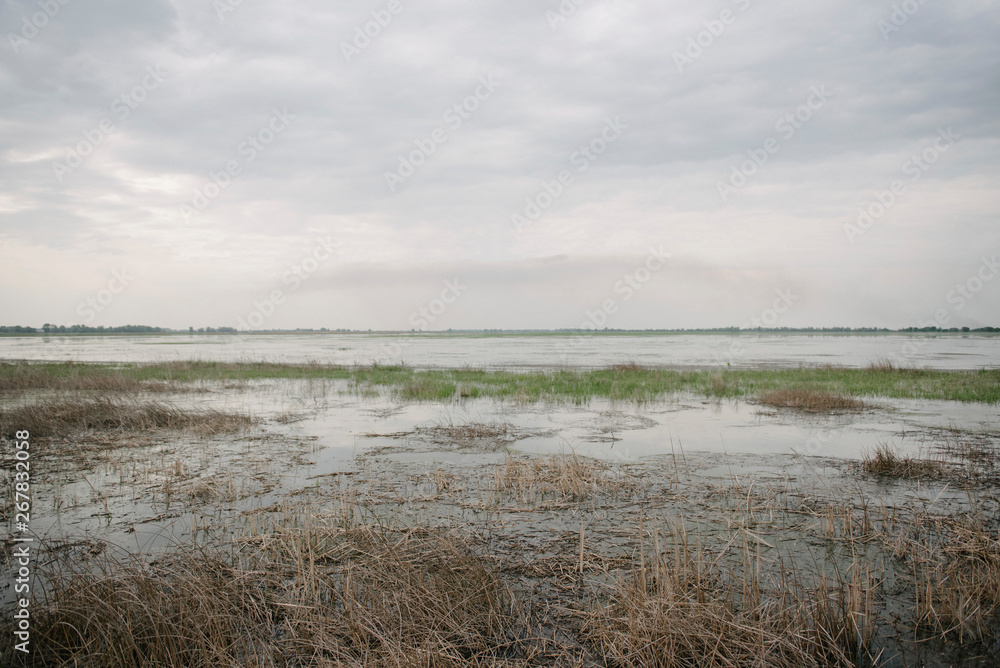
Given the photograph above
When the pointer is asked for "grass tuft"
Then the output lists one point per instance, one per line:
(57, 417)
(811, 401)
(566, 477)
(886, 462)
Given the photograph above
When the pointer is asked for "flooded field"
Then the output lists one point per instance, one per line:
(938, 351)
(337, 522)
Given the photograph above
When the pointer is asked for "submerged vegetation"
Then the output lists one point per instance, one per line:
(628, 382)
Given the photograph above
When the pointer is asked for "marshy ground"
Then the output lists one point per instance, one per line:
(274, 515)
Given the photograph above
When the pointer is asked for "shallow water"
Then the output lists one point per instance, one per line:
(726, 468)
(313, 431)
(952, 351)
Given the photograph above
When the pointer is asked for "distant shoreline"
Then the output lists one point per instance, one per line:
(478, 333)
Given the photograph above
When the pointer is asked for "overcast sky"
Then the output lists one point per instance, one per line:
(182, 163)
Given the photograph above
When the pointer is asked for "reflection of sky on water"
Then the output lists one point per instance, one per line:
(944, 352)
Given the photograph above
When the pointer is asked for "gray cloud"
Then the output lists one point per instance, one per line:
(324, 174)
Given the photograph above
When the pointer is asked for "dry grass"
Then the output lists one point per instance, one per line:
(470, 430)
(566, 477)
(886, 462)
(57, 417)
(489, 435)
(684, 609)
(362, 597)
(811, 401)
(956, 566)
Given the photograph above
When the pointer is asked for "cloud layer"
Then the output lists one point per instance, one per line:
(209, 149)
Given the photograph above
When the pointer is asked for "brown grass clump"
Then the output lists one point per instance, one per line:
(190, 610)
(357, 598)
(566, 477)
(811, 401)
(470, 430)
(491, 435)
(684, 609)
(57, 417)
(956, 565)
(885, 461)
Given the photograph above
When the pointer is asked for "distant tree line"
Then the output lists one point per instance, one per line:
(49, 328)
(950, 329)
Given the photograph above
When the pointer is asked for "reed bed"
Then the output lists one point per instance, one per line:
(683, 608)
(955, 563)
(63, 417)
(366, 596)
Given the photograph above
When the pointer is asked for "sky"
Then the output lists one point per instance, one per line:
(396, 165)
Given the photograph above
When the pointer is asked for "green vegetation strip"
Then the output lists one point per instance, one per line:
(626, 382)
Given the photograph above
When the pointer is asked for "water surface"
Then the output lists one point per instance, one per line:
(938, 351)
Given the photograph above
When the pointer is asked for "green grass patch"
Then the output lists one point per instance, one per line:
(623, 382)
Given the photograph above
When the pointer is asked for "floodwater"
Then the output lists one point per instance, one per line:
(312, 430)
(319, 454)
(422, 350)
